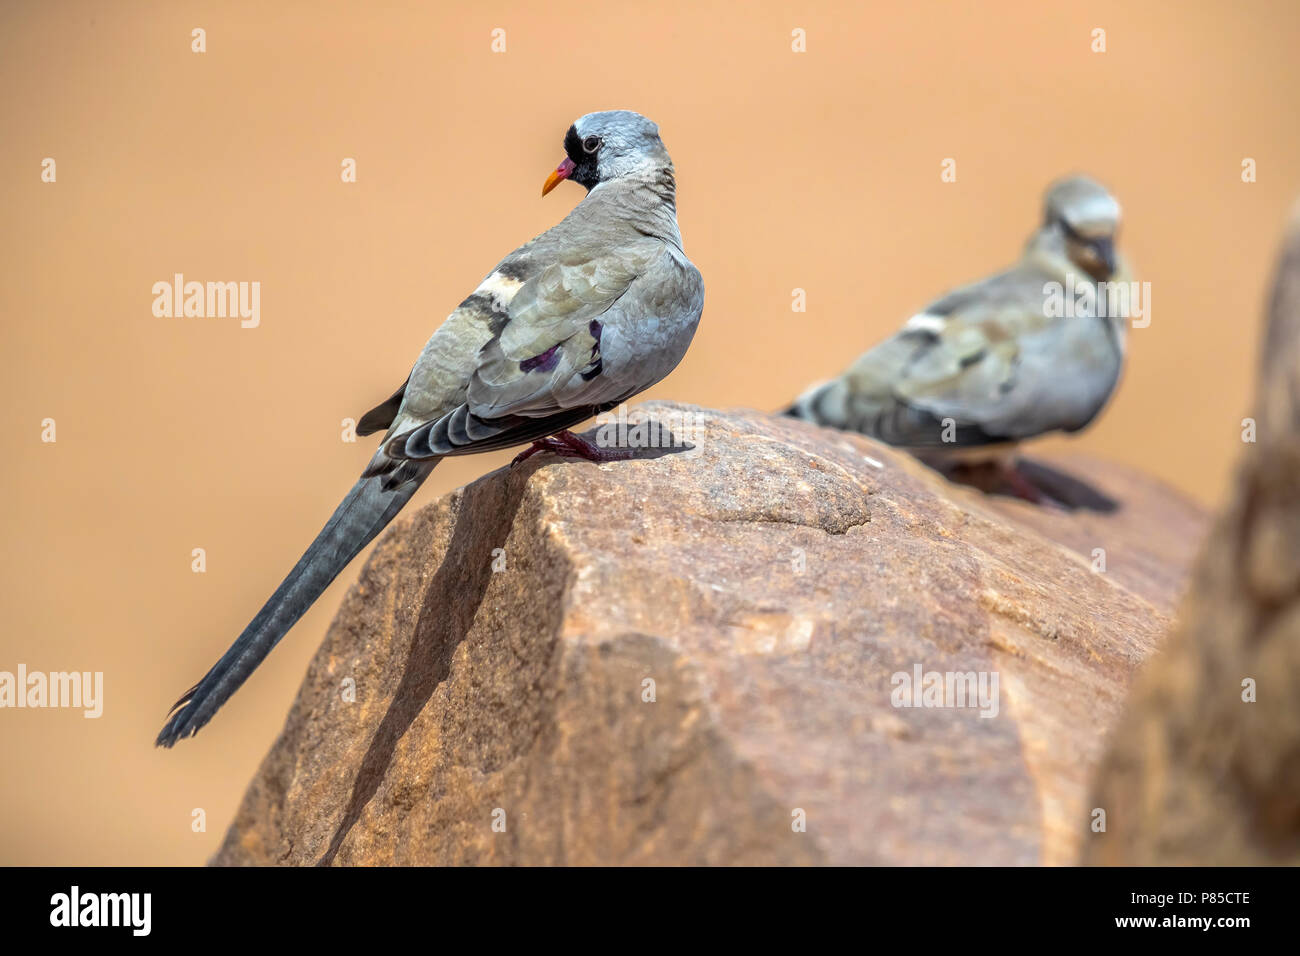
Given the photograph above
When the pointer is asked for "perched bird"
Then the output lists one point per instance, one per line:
(569, 325)
(995, 362)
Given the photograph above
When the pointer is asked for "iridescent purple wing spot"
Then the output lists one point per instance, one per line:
(541, 363)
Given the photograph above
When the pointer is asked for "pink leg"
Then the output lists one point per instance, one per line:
(1001, 477)
(579, 447)
(568, 445)
(1022, 487)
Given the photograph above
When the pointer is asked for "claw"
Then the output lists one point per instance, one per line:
(537, 447)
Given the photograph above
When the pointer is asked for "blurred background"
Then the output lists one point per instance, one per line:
(817, 170)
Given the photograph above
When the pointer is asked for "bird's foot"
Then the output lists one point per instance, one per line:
(1023, 488)
(537, 447)
(568, 445)
(1002, 477)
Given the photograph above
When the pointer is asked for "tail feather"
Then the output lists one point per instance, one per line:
(368, 508)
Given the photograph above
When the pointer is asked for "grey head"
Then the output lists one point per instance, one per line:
(1083, 218)
(610, 145)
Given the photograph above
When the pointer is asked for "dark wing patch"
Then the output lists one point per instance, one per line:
(597, 366)
(381, 416)
(518, 266)
(498, 315)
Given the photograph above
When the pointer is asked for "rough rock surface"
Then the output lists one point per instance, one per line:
(1205, 767)
(769, 583)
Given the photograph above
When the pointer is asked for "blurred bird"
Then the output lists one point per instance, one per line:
(993, 363)
(569, 325)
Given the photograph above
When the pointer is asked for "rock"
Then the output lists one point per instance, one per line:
(769, 584)
(1205, 767)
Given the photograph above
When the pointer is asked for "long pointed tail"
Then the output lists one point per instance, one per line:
(366, 510)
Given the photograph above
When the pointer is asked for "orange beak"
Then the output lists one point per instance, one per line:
(562, 172)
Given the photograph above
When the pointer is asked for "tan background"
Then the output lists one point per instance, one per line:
(818, 171)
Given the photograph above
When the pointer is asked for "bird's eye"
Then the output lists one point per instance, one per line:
(591, 144)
